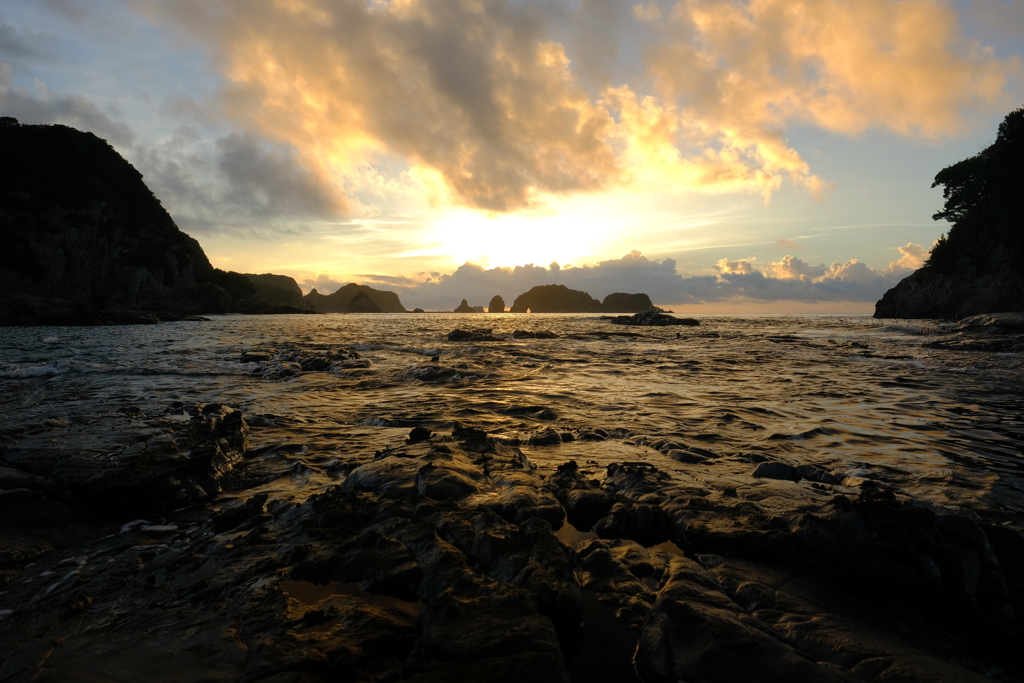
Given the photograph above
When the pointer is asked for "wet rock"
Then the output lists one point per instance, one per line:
(643, 523)
(157, 469)
(234, 516)
(695, 632)
(525, 334)
(519, 503)
(379, 563)
(776, 470)
(502, 623)
(653, 319)
(549, 437)
(685, 456)
(778, 581)
(815, 473)
(584, 501)
(419, 434)
(433, 471)
(471, 336)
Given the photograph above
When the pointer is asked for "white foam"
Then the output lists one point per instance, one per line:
(67, 577)
(373, 422)
(422, 352)
(133, 524)
(41, 370)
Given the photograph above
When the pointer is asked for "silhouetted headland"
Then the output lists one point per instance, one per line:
(978, 267)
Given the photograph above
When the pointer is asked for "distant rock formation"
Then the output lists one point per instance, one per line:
(627, 303)
(497, 305)
(277, 290)
(82, 234)
(342, 300)
(555, 299)
(976, 268)
(361, 303)
(464, 307)
(653, 319)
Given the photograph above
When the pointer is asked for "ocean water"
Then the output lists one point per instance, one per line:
(861, 398)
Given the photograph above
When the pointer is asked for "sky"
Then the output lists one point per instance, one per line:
(719, 155)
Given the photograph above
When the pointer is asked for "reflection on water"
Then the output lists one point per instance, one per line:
(852, 395)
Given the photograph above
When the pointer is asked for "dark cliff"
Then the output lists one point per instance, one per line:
(342, 300)
(81, 232)
(978, 267)
(555, 299)
(277, 290)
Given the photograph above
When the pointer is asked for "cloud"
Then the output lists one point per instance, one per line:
(321, 283)
(913, 257)
(236, 183)
(16, 44)
(729, 281)
(757, 66)
(471, 94)
(487, 110)
(271, 182)
(42, 106)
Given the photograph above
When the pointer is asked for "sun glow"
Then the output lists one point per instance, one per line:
(508, 240)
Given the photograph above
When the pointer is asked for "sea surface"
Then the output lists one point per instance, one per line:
(859, 397)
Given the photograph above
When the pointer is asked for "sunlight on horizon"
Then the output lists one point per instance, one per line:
(510, 240)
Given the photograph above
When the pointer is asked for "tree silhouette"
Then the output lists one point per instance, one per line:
(984, 199)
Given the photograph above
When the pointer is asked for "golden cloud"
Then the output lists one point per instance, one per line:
(484, 110)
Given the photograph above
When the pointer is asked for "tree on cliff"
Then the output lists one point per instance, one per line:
(984, 201)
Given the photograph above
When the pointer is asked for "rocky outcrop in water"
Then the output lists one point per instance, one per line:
(627, 303)
(342, 300)
(653, 319)
(464, 307)
(497, 305)
(454, 557)
(81, 235)
(976, 268)
(555, 299)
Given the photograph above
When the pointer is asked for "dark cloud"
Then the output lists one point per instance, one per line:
(236, 183)
(72, 9)
(266, 181)
(42, 107)
(17, 44)
(734, 281)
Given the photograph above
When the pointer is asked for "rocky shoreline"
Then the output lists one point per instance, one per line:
(140, 545)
